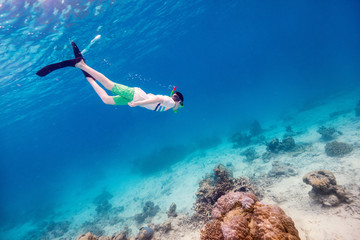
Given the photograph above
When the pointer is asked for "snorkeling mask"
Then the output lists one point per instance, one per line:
(181, 103)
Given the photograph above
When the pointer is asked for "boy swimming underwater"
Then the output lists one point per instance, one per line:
(132, 96)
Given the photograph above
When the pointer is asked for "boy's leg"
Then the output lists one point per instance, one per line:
(123, 97)
(107, 83)
(101, 92)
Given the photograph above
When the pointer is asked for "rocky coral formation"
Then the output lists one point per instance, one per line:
(89, 236)
(250, 154)
(275, 146)
(213, 186)
(149, 210)
(328, 134)
(324, 188)
(172, 211)
(102, 203)
(280, 169)
(49, 230)
(337, 149)
(145, 233)
(289, 132)
(240, 140)
(239, 215)
(255, 128)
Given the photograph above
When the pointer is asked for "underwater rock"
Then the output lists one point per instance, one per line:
(357, 109)
(87, 236)
(119, 236)
(240, 140)
(172, 211)
(328, 134)
(337, 149)
(102, 203)
(280, 169)
(213, 186)
(123, 235)
(289, 132)
(145, 233)
(49, 230)
(324, 188)
(250, 154)
(275, 146)
(149, 210)
(255, 128)
(288, 144)
(239, 215)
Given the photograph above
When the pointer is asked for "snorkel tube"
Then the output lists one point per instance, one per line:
(171, 94)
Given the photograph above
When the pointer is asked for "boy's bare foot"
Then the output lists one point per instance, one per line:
(80, 64)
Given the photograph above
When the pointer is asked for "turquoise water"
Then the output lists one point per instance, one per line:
(234, 61)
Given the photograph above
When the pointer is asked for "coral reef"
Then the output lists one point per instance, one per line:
(239, 215)
(255, 128)
(89, 236)
(250, 154)
(328, 134)
(324, 188)
(337, 149)
(240, 140)
(49, 230)
(145, 233)
(172, 211)
(102, 203)
(149, 210)
(280, 169)
(289, 132)
(287, 145)
(213, 186)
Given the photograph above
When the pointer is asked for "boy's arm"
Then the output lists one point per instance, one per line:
(155, 99)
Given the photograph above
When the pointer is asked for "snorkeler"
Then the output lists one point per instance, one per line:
(132, 96)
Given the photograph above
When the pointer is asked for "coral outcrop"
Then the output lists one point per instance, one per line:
(172, 211)
(324, 188)
(213, 186)
(149, 210)
(255, 128)
(337, 149)
(280, 169)
(289, 132)
(275, 146)
(89, 236)
(240, 140)
(250, 154)
(328, 134)
(145, 233)
(240, 216)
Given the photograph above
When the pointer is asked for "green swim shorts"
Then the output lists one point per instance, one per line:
(124, 94)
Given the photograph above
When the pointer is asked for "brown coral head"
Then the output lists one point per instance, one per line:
(232, 199)
(239, 216)
(322, 181)
(212, 231)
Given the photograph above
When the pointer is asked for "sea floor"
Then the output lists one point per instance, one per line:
(179, 183)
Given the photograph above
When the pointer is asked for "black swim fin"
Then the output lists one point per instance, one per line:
(77, 54)
(52, 67)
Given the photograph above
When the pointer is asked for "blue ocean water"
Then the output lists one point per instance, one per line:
(234, 61)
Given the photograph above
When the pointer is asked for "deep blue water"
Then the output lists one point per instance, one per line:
(234, 61)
